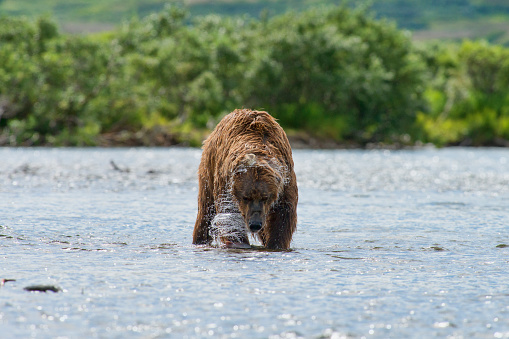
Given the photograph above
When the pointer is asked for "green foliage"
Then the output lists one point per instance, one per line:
(469, 97)
(330, 72)
(337, 67)
(60, 89)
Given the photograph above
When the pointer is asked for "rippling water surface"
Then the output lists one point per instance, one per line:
(389, 244)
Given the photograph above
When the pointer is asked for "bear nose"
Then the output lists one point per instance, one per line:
(255, 226)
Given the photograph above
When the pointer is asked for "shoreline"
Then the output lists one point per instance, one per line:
(125, 139)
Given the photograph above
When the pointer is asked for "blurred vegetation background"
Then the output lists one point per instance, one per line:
(149, 73)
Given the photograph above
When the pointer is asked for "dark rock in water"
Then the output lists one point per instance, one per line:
(42, 288)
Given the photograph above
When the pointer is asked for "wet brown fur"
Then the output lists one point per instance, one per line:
(228, 171)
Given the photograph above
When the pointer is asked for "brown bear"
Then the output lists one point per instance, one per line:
(247, 184)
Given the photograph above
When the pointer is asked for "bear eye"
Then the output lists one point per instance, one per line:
(245, 199)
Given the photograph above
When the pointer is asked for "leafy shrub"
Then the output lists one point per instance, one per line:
(338, 67)
(332, 72)
(469, 102)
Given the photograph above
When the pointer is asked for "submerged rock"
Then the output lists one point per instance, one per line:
(42, 288)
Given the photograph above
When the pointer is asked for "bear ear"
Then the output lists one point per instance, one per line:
(249, 159)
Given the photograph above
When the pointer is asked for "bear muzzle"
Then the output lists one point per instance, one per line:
(255, 222)
(255, 226)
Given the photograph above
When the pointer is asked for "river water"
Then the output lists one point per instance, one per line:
(390, 244)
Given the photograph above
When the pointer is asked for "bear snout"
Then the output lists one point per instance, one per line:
(255, 222)
(255, 226)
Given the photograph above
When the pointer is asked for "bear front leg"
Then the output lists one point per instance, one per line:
(281, 223)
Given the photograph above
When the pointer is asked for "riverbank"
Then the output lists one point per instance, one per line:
(162, 137)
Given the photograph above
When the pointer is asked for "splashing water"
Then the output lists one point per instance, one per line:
(228, 225)
(228, 221)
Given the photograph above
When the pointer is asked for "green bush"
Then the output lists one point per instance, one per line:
(331, 72)
(470, 98)
(339, 68)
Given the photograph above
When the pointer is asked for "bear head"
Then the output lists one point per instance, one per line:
(256, 186)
